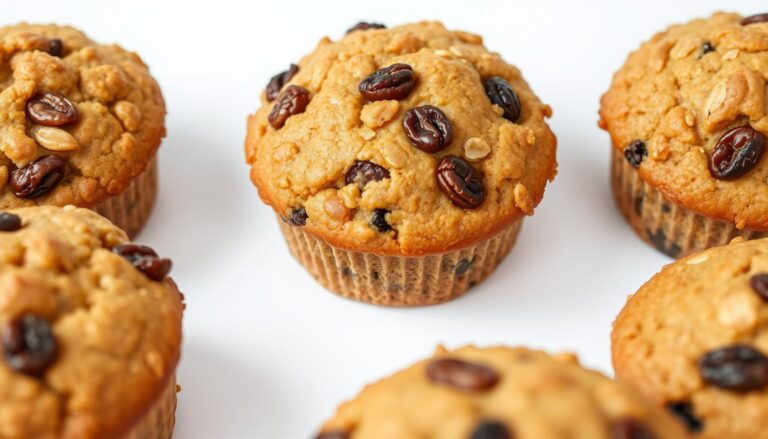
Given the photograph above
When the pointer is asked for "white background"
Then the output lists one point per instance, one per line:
(267, 352)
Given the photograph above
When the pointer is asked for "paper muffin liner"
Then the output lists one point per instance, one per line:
(399, 280)
(158, 421)
(673, 230)
(130, 209)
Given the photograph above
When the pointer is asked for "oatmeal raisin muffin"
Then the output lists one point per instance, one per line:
(90, 330)
(687, 117)
(400, 161)
(80, 123)
(695, 339)
(499, 393)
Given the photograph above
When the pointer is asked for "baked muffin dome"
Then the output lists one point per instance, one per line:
(688, 111)
(307, 166)
(498, 393)
(90, 343)
(695, 339)
(79, 122)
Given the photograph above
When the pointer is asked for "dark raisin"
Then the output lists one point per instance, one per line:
(428, 128)
(752, 19)
(639, 201)
(491, 430)
(28, 344)
(55, 46)
(706, 47)
(51, 110)
(293, 100)
(739, 368)
(461, 374)
(298, 217)
(500, 93)
(37, 178)
(684, 412)
(635, 153)
(462, 267)
(759, 283)
(393, 82)
(460, 182)
(379, 220)
(145, 260)
(630, 429)
(659, 240)
(277, 82)
(737, 153)
(364, 172)
(9, 222)
(364, 25)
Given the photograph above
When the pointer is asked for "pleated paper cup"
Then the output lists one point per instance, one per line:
(158, 421)
(673, 230)
(399, 280)
(131, 209)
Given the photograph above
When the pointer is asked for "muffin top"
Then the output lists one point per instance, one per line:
(88, 340)
(501, 393)
(688, 109)
(78, 120)
(695, 338)
(411, 140)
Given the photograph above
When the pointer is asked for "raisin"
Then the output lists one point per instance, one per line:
(364, 172)
(635, 153)
(379, 220)
(28, 344)
(684, 412)
(38, 178)
(460, 182)
(298, 217)
(51, 110)
(491, 430)
(293, 100)
(9, 222)
(500, 93)
(145, 260)
(364, 25)
(389, 83)
(428, 128)
(461, 374)
(277, 82)
(752, 19)
(737, 153)
(739, 368)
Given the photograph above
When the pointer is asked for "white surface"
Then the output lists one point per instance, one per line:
(267, 352)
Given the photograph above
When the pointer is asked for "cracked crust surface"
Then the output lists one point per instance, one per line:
(693, 306)
(121, 112)
(679, 98)
(118, 332)
(303, 164)
(537, 396)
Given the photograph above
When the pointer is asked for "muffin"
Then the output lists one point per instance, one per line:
(80, 123)
(695, 339)
(90, 328)
(499, 393)
(687, 118)
(400, 162)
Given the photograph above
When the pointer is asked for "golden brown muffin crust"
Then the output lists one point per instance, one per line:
(698, 304)
(121, 113)
(679, 93)
(118, 332)
(537, 396)
(303, 164)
